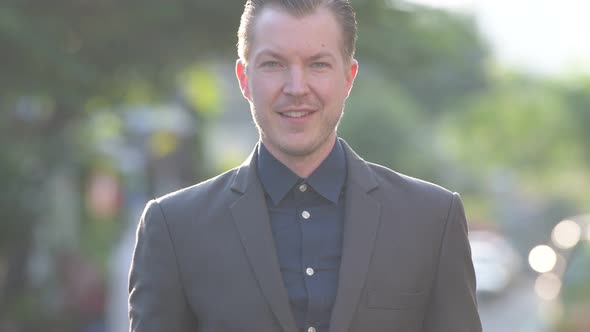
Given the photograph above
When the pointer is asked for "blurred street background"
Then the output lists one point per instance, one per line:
(107, 104)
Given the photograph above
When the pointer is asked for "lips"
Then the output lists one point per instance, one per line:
(296, 114)
(301, 111)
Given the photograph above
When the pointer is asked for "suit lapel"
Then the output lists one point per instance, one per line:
(360, 228)
(250, 215)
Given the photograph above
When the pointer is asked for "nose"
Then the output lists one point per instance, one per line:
(296, 82)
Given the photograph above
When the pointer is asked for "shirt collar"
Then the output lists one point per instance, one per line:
(328, 179)
(275, 177)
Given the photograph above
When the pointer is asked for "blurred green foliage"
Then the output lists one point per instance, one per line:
(77, 49)
(434, 55)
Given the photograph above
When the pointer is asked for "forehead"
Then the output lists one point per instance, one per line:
(278, 31)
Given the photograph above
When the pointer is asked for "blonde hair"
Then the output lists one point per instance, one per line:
(342, 10)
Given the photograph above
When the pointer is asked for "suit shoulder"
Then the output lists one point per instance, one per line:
(198, 192)
(409, 184)
(427, 200)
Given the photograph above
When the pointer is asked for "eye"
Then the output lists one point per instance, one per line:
(271, 64)
(320, 65)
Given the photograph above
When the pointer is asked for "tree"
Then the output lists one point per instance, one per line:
(436, 56)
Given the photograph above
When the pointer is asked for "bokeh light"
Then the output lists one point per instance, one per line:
(542, 258)
(547, 286)
(566, 234)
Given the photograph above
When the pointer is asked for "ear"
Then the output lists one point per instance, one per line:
(243, 79)
(351, 72)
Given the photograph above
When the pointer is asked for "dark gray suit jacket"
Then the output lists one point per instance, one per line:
(205, 258)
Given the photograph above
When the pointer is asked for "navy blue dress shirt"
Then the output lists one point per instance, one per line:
(307, 219)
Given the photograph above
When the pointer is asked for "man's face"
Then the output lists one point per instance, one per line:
(296, 81)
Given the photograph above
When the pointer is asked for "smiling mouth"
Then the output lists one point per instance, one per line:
(296, 114)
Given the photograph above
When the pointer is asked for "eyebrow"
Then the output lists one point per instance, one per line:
(321, 55)
(276, 55)
(267, 52)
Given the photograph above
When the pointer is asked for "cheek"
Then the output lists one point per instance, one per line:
(263, 88)
(330, 89)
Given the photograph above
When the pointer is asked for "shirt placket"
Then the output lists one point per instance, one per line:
(306, 216)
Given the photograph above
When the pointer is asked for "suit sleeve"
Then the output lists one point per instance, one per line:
(453, 305)
(156, 297)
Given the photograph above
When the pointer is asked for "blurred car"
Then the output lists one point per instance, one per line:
(496, 262)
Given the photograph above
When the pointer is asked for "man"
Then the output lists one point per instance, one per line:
(304, 235)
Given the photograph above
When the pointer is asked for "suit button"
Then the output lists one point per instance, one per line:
(311, 329)
(309, 271)
(305, 215)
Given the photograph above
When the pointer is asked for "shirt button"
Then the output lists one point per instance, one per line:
(305, 215)
(303, 187)
(311, 329)
(309, 271)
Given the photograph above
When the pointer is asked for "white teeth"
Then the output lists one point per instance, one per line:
(295, 114)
